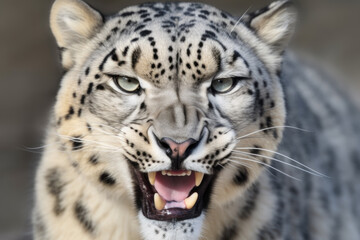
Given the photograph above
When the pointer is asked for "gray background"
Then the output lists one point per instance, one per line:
(328, 34)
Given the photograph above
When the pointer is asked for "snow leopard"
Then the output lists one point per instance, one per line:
(180, 121)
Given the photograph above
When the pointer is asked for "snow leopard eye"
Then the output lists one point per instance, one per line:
(223, 85)
(126, 84)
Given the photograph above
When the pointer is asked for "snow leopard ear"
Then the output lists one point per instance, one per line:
(73, 23)
(274, 24)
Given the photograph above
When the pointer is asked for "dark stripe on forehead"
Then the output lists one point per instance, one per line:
(101, 67)
(217, 57)
(135, 57)
(211, 35)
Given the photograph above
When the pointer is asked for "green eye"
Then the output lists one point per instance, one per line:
(127, 84)
(222, 85)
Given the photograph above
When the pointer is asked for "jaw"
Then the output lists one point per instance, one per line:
(172, 198)
(189, 229)
(172, 195)
(171, 220)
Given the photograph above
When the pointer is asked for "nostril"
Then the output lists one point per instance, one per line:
(178, 150)
(165, 146)
(191, 147)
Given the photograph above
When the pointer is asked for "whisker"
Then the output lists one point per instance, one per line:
(87, 140)
(274, 127)
(111, 127)
(108, 133)
(283, 155)
(278, 160)
(233, 159)
(238, 21)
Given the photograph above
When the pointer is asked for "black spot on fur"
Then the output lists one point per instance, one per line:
(241, 176)
(107, 179)
(145, 33)
(55, 187)
(76, 143)
(138, 28)
(269, 122)
(82, 215)
(90, 88)
(101, 67)
(126, 49)
(135, 57)
(88, 126)
(126, 14)
(143, 106)
(70, 113)
(100, 87)
(229, 232)
(256, 150)
(114, 57)
(82, 100)
(235, 56)
(93, 159)
(217, 57)
(251, 200)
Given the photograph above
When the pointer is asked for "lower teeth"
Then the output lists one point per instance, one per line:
(159, 202)
(189, 202)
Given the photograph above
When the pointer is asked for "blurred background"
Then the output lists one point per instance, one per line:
(328, 35)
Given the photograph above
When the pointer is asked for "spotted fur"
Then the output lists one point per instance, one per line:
(98, 133)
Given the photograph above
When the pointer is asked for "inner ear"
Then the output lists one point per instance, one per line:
(73, 22)
(275, 24)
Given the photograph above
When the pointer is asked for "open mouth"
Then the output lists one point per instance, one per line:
(172, 194)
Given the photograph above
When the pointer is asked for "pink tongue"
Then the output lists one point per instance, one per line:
(174, 188)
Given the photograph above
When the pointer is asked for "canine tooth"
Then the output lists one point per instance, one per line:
(198, 178)
(151, 176)
(159, 202)
(190, 201)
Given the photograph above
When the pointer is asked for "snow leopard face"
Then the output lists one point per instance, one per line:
(160, 102)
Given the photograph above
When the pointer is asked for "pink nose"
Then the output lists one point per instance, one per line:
(178, 151)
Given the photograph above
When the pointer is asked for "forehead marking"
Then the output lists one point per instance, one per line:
(101, 67)
(135, 57)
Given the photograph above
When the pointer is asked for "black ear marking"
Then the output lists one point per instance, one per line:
(274, 24)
